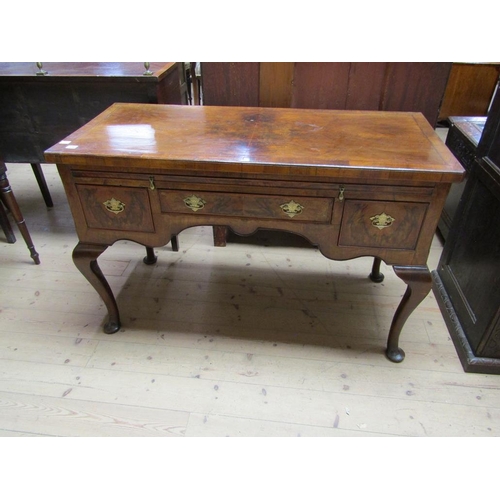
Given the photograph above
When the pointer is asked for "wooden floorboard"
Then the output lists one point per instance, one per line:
(264, 337)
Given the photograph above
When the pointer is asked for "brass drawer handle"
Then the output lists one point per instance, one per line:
(114, 206)
(152, 183)
(341, 193)
(194, 203)
(381, 221)
(292, 208)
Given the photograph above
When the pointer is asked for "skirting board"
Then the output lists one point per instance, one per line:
(470, 362)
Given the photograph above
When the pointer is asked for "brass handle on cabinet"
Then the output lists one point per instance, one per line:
(292, 208)
(41, 71)
(152, 183)
(114, 206)
(341, 193)
(381, 221)
(194, 202)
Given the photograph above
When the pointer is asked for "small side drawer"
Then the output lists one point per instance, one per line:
(381, 224)
(116, 207)
(295, 208)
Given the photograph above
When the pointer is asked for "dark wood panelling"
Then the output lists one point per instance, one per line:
(328, 85)
(230, 84)
(320, 85)
(415, 87)
(366, 81)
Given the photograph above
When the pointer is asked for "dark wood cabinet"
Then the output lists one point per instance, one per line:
(463, 138)
(467, 280)
(37, 110)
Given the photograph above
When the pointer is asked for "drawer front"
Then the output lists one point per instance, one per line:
(379, 224)
(114, 207)
(294, 208)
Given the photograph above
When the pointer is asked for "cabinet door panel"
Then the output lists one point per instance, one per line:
(470, 269)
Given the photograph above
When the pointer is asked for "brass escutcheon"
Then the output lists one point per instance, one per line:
(292, 208)
(114, 206)
(194, 203)
(381, 221)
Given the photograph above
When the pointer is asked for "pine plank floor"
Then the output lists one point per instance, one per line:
(265, 337)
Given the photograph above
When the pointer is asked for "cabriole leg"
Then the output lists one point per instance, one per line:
(85, 259)
(419, 281)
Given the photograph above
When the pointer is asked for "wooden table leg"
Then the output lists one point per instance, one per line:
(85, 259)
(174, 240)
(150, 258)
(5, 224)
(220, 236)
(419, 281)
(376, 276)
(11, 203)
(42, 184)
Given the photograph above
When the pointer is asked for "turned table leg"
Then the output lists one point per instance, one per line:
(150, 258)
(419, 281)
(85, 259)
(376, 276)
(11, 203)
(4, 222)
(42, 184)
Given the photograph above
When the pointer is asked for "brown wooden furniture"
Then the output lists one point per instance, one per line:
(353, 183)
(469, 89)
(39, 107)
(462, 139)
(8, 199)
(379, 86)
(467, 280)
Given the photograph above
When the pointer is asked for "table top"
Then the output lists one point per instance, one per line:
(318, 143)
(471, 126)
(86, 69)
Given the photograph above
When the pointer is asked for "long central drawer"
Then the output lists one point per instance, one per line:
(296, 208)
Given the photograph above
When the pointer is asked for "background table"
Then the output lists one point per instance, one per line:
(39, 109)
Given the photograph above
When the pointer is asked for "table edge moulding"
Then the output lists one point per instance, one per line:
(353, 183)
